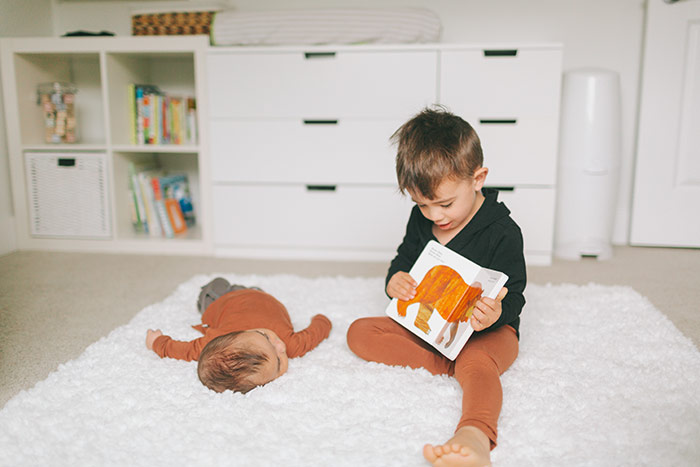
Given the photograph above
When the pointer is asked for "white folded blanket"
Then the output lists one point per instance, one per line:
(325, 26)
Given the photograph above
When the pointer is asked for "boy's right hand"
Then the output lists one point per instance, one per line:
(401, 286)
(151, 336)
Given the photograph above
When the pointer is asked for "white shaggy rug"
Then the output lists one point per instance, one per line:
(603, 379)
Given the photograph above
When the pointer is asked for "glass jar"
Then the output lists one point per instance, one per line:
(57, 102)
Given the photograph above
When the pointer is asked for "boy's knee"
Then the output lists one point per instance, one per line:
(475, 360)
(354, 331)
(358, 334)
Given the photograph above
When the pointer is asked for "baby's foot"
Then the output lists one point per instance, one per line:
(468, 447)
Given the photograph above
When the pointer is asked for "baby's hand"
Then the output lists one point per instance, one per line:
(151, 336)
(401, 286)
(487, 311)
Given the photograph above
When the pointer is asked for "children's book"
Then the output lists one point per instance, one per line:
(140, 220)
(449, 285)
(177, 187)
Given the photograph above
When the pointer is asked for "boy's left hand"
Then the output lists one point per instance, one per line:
(487, 311)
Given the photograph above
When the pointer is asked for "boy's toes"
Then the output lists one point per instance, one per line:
(429, 453)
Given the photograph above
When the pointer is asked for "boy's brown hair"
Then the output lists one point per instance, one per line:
(433, 145)
(223, 365)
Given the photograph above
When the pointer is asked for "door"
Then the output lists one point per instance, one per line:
(666, 200)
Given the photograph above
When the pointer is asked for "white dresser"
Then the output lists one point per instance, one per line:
(301, 165)
(510, 95)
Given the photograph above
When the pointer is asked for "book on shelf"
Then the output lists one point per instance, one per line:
(154, 228)
(176, 187)
(161, 204)
(449, 285)
(157, 117)
(138, 208)
(131, 92)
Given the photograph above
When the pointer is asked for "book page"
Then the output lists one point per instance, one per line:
(449, 285)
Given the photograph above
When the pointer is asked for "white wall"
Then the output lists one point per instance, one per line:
(17, 18)
(595, 33)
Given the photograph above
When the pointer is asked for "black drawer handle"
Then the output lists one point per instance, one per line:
(500, 52)
(498, 121)
(66, 162)
(320, 122)
(312, 55)
(502, 188)
(320, 187)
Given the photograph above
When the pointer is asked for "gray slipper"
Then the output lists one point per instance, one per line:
(211, 291)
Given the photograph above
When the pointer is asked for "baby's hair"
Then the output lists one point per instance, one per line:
(222, 365)
(432, 146)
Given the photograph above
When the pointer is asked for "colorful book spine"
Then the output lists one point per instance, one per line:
(191, 120)
(131, 98)
(154, 227)
(140, 114)
(161, 118)
(141, 224)
(159, 205)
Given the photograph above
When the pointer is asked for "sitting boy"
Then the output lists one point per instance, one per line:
(248, 337)
(440, 164)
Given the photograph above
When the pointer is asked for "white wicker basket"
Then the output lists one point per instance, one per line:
(68, 194)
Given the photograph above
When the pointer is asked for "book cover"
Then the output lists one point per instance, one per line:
(177, 187)
(177, 220)
(449, 285)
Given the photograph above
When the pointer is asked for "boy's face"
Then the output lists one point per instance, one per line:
(267, 342)
(455, 203)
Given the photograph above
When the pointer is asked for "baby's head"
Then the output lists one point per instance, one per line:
(433, 146)
(242, 360)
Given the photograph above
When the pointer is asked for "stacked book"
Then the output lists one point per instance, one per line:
(161, 205)
(161, 118)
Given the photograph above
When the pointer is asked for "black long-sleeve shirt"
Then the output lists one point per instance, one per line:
(491, 239)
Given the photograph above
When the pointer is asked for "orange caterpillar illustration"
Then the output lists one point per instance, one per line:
(443, 289)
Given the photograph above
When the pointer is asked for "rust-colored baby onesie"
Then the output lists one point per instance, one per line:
(242, 310)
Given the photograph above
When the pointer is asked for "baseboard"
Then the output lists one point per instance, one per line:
(8, 236)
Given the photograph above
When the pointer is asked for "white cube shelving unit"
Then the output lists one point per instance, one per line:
(102, 69)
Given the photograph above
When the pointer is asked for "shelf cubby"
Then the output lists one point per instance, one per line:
(172, 72)
(79, 69)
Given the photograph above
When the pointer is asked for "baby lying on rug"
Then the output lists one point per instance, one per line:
(248, 337)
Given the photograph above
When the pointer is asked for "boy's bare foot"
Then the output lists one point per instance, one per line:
(468, 447)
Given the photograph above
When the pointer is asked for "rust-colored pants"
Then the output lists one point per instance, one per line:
(477, 368)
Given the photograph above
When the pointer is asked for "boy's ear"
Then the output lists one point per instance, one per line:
(480, 177)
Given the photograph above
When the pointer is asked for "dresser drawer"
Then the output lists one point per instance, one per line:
(496, 84)
(519, 152)
(533, 210)
(294, 216)
(321, 85)
(343, 151)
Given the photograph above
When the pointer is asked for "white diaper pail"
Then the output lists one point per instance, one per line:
(589, 164)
